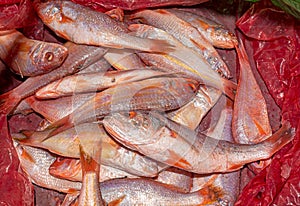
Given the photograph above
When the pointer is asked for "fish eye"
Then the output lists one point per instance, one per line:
(49, 56)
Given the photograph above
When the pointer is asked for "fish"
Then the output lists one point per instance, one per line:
(161, 93)
(80, 57)
(29, 57)
(176, 145)
(179, 179)
(35, 163)
(185, 33)
(70, 169)
(92, 82)
(192, 113)
(250, 123)
(214, 32)
(114, 155)
(90, 193)
(182, 59)
(66, 18)
(124, 59)
(144, 191)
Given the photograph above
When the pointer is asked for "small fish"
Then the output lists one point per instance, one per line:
(70, 169)
(124, 59)
(28, 57)
(92, 82)
(66, 18)
(178, 146)
(185, 33)
(215, 33)
(162, 93)
(80, 57)
(250, 123)
(148, 192)
(35, 163)
(66, 144)
(182, 59)
(90, 193)
(192, 113)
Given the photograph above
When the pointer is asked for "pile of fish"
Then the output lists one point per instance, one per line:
(122, 100)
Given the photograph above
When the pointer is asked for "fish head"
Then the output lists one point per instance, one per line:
(48, 10)
(48, 56)
(133, 128)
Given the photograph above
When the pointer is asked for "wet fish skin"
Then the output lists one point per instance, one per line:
(92, 82)
(215, 33)
(80, 57)
(66, 144)
(178, 146)
(97, 28)
(70, 168)
(28, 57)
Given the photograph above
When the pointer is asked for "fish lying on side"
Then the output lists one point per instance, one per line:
(66, 144)
(250, 123)
(178, 146)
(92, 82)
(66, 18)
(185, 33)
(71, 169)
(215, 33)
(28, 57)
(80, 57)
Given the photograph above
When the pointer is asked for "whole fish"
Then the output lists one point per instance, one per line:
(193, 112)
(80, 57)
(162, 93)
(178, 146)
(92, 82)
(90, 193)
(35, 163)
(148, 192)
(124, 59)
(215, 33)
(70, 169)
(185, 33)
(179, 179)
(250, 123)
(28, 57)
(66, 18)
(66, 144)
(182, 59)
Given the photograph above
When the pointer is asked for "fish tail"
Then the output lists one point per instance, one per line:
(88, 163)
(211, 194)
(60, 126)
(157, 46)
(241, 52)
(28, 137)
(8, 102)
(282, 137)
(229, 88)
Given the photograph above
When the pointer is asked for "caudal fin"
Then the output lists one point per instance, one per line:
(229, 88)
(156, 46)
(8, 102)
(31, 138)
(59, 126)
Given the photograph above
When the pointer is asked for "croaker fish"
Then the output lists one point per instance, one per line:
(80, 57)
(215, 33)
(178, 146)
(182, 59)
(66, 18)
(70, 169)
(92, 82)
(66, 144)
(162, 93)
(28, 57)
(185, 33)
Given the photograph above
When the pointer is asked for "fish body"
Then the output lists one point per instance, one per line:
(178, 146)
(80, 57)
(66, 144)
(92, 82)
(66, 18)
(71, 169)
(185, 33)
(215, 33)
(28, 57)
